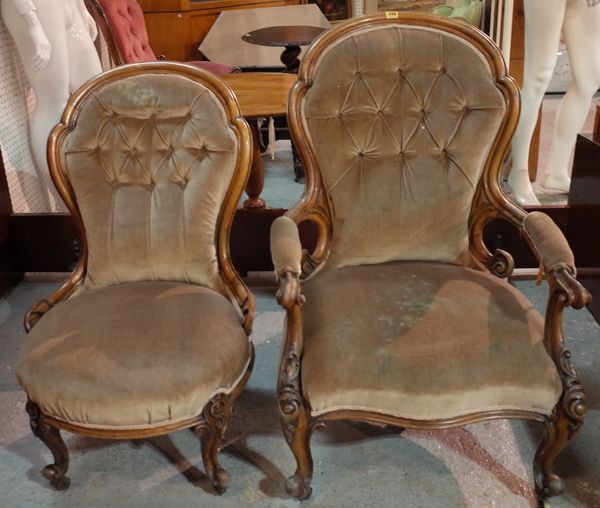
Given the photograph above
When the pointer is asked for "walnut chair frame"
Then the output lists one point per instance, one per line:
(211, 424)
(292, 264)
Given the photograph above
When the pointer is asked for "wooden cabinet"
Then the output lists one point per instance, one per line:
(177, 27)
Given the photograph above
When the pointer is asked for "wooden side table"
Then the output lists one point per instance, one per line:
(289, 37)
(260, 94)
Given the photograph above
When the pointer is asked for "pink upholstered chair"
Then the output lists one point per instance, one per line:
(124, 29)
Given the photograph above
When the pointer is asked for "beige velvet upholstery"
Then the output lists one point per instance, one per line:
(402, 120)
(150, 161)
(134, 355)
(548, 241)
(423, 341)
(286, 249)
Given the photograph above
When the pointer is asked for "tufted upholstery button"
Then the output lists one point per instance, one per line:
(442, 70)
(380, 112)
(358, 74)
(340, 114)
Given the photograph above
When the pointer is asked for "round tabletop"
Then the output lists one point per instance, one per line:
(261, 93)
(284, 35)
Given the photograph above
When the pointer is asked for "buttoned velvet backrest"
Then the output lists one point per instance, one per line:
(401, 119)
(128, 30)
(150, 160)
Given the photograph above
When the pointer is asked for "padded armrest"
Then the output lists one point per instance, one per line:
(286, 250)
(548, 242)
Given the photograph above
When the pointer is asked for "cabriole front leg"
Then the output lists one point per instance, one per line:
(295, 422)
(568, 414)
(561, 427)
(50, 436)
(216, 417)
(296, 425)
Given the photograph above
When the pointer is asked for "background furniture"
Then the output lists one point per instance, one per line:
(224, 41)
(288, 37)
(260, 95)
(123, 28)
(150, 333)
(177, 27)
(403, 317)
(9, 273)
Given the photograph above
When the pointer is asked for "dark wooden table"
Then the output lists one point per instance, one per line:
(290, 37)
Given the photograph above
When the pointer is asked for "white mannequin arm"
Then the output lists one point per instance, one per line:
(42, 47)
(88, 20)
(23, 6)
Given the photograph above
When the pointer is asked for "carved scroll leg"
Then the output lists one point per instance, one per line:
(50, 436)
(296, 425)
(216, 416)
(561, 427)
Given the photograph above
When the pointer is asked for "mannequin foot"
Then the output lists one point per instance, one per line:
(560, 183)
(522, 192)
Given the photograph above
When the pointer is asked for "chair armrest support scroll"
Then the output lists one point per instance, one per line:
(286, 252)
(574, 294)
(39, 308)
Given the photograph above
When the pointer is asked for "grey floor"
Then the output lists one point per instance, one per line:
(481, 465)
(356, 465)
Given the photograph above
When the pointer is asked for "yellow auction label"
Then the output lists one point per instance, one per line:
(392, 14)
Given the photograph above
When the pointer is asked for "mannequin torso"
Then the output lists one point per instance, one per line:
(54, 39)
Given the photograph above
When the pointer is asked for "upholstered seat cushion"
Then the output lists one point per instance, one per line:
(134, 355)
(423, 341)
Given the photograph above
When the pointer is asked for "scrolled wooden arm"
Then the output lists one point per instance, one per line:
(289, 293)
(574, 294)
(39, 308)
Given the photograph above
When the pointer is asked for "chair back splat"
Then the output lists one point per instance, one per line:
(145, 156)
(401, 121)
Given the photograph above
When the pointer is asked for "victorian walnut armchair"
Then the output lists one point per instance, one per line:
(403, 317)
(123, 27)
(150, 333)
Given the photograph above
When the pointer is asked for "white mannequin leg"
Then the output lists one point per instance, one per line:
(543, 21)
(581, 31)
